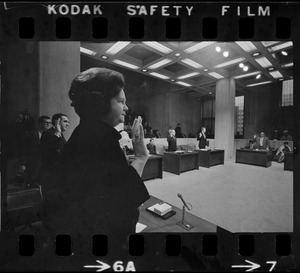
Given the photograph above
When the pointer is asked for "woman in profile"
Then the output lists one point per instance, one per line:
(202, 138)
(98, 193)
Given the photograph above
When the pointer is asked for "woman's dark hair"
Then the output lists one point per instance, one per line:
(92, 90)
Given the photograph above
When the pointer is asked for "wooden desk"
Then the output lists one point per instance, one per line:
(153, 168)
(210, 157)
(177, 163)
(254, 157)
(156, 224)
(288, 162)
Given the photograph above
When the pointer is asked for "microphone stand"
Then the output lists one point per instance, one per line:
(183, 224)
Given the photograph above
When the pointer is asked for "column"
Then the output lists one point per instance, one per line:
(224, 117)
(59, 63)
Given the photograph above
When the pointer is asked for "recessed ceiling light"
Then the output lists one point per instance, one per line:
(276, 74)
(241, 65)
(159, 75)
(229, 62)
(104, 57)
(264, 62)
(225, 54)
(144, 70)
(271, 68)
(87, 51)
(159, 64)
(159, 47)
(280, 46)
(172, 80)
(284, 53)
(246, 75)
(281, 79)
(218, 49)
(247, 46)
(198, 46)
(258, 76)
(205, 69)
(125, 64)
(215, 75)
(188, 75)
(245, 68)
(287, 65)
(117, 47)
(177, 54)
(184, 83)
(256, 54)
(191, 63)
(259, 83)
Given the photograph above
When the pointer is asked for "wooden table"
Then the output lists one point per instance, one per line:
(180, 162)
(153, 168)
(254, 157)
(208, 158)
(288, 162)
(156, 224)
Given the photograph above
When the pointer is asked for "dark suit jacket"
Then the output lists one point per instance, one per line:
(265, 143)
(97, 191)
(151, 148)
(172, 144)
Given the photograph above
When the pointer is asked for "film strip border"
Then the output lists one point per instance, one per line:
(102, 22)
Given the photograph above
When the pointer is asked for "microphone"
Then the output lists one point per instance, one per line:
(180, 196)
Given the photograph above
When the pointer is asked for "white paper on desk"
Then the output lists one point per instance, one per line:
(139, 227)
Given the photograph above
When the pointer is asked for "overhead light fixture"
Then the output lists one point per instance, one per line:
(269, 43)
(287, 65)
(191, 63)
(259, 83)
(198, 46)
(161, 48)
(246, 75)
(132, 66)
(159, 75)
(205, 69)
(177, 54)
(241, 65)
(258, 76)
(144, 70)
(172, 80)
(271, 68)
(245, 68)
(247, 46)
(184, 83)
(276, 74)
(284, 53)
(215, 75)
(159, 64)
(87, 51)
(210, 93)
(229, 62)
(281, 79)
(118, 46)
(264, 62)
(225, 54)
(218, 49)
(256, 54)
(104, 57)
(188, 75)
(281, 46)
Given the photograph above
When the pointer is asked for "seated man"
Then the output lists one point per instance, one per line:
(151, 147)
(286, 136)
(250, 145)
(282, 150)
(262, 142)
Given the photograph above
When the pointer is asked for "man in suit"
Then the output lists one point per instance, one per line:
(262, 142)
(172, 142)
(52, 144)
(31, 154)
(151, 147)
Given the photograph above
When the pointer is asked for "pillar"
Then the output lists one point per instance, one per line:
(224, 117)
(59, 63)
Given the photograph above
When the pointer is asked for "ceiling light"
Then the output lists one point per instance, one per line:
(159, 64)
(191, 63)
(159, 75)
(241, 65)
(284, 53)
(205, 69)
(276, 74)
(210, 93)
(258, 76)
(215, 75)
(104, 57)
(172, 80)
(198, 46)
(218, 49)
(159, 47)
(117, 47)
(125, 64)
(264, 62)
(259, 83)
(188, 75)
(144, 70)
(87, 51)
(287, 65)
(245, 68)
(281, 79)
(184, 83)
(281, 46)
(246, 75)
(269, 43)
(247, 46)
(271, 68)
(225, 54)
(256, 54)
(177, 54)
(229, 62)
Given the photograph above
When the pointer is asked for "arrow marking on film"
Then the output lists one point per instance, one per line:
(102, 266)
(251, 267)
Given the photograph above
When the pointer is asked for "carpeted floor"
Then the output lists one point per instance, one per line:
(236, 197)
